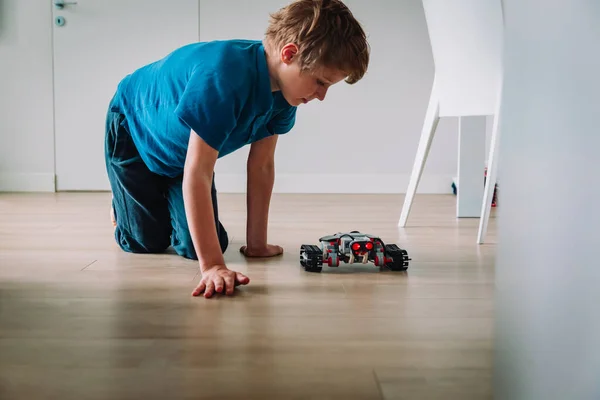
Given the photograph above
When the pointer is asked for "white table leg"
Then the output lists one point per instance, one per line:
(432, 118)
(492, 176)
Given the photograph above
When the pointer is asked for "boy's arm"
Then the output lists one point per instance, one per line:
(197, 182)
(210, 107)
(260, 179)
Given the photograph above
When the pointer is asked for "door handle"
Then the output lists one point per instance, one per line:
(60, 4)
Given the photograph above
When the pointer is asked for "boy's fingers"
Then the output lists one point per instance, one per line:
(225, 283)
(241, 278)
(199, 289)
(275, 250)
(218, 284)
(210, 288)
(229, 283)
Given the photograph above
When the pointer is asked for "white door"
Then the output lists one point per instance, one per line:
(97, 43)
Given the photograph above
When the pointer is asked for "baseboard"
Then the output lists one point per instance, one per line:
(26, 182)
(284, 183)
(340, 183)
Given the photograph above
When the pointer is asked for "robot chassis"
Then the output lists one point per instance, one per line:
(353, 247)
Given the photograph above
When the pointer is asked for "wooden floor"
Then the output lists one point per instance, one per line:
(80, 319)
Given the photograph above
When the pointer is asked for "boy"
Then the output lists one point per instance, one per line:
(170, 121)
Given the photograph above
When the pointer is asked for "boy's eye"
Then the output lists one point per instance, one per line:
(320, 82)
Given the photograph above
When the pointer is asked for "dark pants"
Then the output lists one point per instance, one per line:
(148, 208)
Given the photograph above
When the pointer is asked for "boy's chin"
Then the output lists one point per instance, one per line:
(298, 102)
(294, 102)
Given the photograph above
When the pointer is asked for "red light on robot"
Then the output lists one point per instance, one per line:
(369, 246)
(356, 246)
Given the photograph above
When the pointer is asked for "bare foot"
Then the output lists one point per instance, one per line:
(112, 217)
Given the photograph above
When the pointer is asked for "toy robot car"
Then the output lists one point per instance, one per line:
(353, 247)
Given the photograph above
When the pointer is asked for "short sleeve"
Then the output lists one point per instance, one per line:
(282, 122)
(210, 107)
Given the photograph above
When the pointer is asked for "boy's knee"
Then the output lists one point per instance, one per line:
(184, 246)
(150, 244)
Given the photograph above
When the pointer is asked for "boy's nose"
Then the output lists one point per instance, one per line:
(321, 93)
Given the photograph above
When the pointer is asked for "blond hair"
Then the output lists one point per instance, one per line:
(326, 33)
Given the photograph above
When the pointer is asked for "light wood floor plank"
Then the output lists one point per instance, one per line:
(80, 319)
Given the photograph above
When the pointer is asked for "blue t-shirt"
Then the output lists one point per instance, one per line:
(219, 89)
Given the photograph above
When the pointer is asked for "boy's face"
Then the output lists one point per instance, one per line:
(300, 87)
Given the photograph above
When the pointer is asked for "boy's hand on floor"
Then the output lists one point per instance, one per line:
(219, 279)
(270, 250)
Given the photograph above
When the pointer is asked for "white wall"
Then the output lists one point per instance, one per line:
(370, 130)
(26, 115)
(547, 336)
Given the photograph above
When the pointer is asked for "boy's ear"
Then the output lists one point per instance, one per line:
(288, 53)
